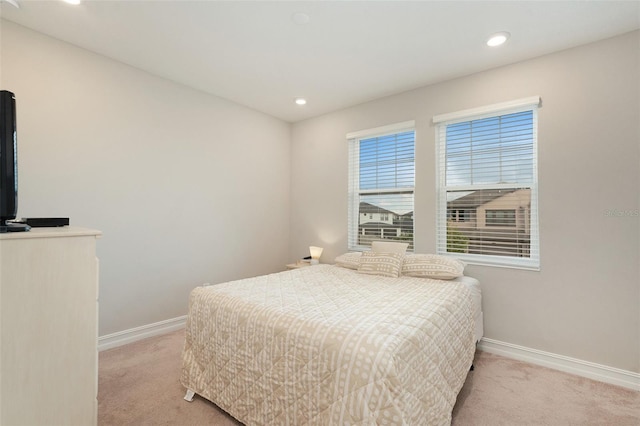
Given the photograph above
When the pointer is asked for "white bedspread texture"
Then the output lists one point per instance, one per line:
(324, 345)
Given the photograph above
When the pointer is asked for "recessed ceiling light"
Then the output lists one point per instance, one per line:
(498, 38)
(73, 2)
(300, 18)
(300, 101)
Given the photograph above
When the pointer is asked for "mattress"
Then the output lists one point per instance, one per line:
(476, 294)
(326, 345)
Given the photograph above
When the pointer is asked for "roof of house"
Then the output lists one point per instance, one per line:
(371, 208)
(477, 198)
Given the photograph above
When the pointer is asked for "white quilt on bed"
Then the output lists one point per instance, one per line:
(324, 345)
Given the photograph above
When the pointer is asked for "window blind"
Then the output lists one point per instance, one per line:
(381, 186)
(487, 186)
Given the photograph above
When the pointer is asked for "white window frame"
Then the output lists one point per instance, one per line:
(442, 121)
(354, 191)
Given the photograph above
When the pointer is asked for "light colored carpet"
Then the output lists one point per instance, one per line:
(139, 385)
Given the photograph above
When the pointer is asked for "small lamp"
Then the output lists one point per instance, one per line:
(315, 252)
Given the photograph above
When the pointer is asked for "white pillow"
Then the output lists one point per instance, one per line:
(432, 266)
(350, 260)
(389, 247)
(384, 264)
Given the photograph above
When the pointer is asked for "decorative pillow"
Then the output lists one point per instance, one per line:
(350, 260)
(388, 247)
(432, 266)
(384, 264)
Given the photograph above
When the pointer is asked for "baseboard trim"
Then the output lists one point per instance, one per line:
(590, 370)
(138, 333)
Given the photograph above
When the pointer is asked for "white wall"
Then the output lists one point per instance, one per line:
(190, 188)
(585, 301)
(186, 187)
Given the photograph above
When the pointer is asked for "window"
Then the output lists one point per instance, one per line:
(500, 218)
(487, 184)
(381, 185)
(458, 215)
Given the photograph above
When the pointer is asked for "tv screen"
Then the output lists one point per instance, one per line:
(8, 163)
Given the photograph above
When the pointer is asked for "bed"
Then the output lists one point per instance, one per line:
(328, 345)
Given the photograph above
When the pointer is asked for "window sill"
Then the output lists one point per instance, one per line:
(496, 261)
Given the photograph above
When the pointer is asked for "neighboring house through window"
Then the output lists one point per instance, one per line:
(381, 185)
(488, 184)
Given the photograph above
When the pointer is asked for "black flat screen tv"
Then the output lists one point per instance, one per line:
(8, 163)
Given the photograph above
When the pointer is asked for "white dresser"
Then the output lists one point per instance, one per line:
(48, 320)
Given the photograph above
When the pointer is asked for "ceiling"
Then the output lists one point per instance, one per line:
(349, 52)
